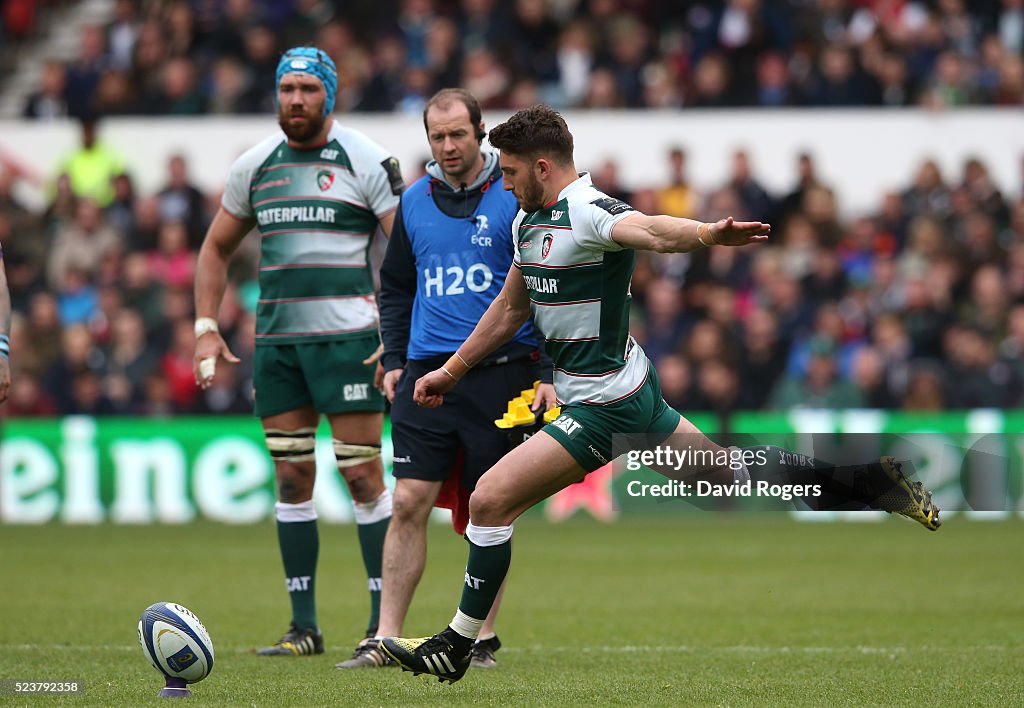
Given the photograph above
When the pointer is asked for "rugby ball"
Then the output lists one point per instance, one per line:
(175, 642)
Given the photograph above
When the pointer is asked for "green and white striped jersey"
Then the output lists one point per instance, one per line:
(578, 278)
(316, 210)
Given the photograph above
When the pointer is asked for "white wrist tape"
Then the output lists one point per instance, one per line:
(205, 325)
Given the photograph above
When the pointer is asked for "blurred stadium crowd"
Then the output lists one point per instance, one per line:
(190, 57)
(918, 305)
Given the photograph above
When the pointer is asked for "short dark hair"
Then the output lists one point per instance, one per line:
(535, 131)
(446, 96)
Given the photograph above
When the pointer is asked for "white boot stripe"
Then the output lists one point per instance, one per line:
(430, 664)
(447, 662)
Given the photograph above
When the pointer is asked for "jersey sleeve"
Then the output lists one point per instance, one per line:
(379, 174)
(236, 191)
(514, 235)
(385, 186)
(593, 221)
(397, 295)
(237, 199)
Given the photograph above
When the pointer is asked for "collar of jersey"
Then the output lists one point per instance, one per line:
(582, 181)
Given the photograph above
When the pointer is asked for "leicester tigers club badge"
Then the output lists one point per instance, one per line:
(545, 248)
(324, 180)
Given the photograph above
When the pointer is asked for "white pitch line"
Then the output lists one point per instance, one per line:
(624, 649)
(757, 649)
(692, 649)
(69, 647)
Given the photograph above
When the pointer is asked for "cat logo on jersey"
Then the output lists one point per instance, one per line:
(324, 180)
(545, 248)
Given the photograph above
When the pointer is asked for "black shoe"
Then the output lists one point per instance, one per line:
(482, 654)
(437, 655)
(907, 498)
(296, 642)
(368, 655)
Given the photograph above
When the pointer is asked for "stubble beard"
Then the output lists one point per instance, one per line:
(533, 196)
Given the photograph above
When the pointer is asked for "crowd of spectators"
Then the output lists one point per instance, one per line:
(191, 57)
(918, 305)
(101, 291)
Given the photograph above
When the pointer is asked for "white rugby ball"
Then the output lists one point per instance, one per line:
(176, 642)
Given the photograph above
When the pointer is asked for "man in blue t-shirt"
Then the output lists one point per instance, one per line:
(450, 250)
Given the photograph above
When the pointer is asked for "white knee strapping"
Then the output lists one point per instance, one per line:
(488, 535)
(291, 445)
(349, 455)
(373, 511)
(292, 513)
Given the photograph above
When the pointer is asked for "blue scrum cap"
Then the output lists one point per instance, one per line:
(315, 62)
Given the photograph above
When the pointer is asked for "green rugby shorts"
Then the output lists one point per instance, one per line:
(586, 430)
(329, 375)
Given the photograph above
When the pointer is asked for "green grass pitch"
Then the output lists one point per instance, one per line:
(711, 609)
